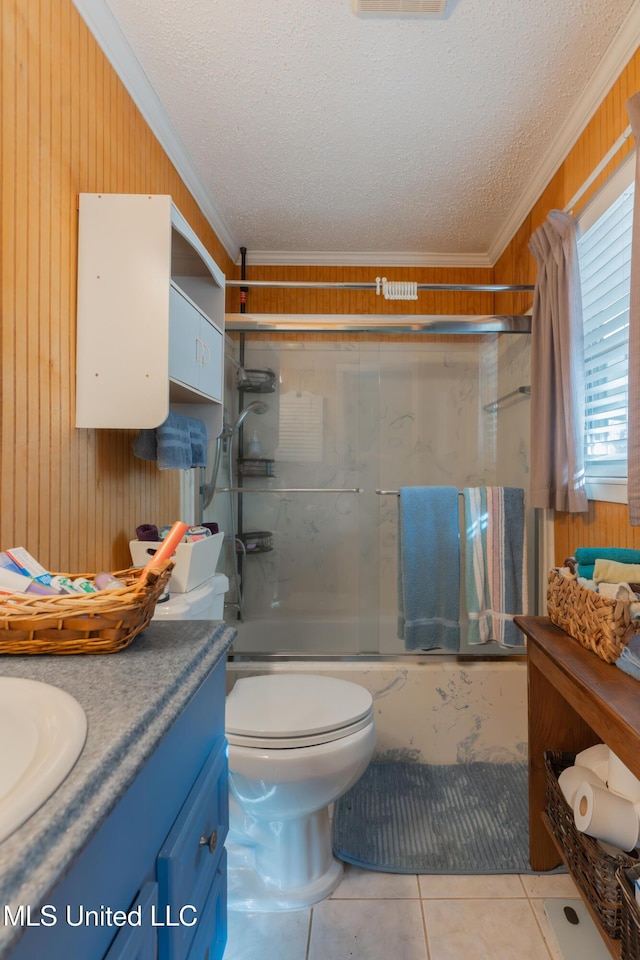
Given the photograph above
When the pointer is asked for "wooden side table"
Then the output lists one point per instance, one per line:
(575, 700)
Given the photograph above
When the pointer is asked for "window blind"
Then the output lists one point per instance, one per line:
(604, 254)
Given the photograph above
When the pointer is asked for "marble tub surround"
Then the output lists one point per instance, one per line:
(131, 699)
(434, 711)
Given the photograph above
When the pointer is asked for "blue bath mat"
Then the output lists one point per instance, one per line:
(421, 818)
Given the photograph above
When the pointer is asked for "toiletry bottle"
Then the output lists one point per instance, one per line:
(254, 446)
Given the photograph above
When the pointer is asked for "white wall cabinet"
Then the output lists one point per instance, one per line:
(150, 334)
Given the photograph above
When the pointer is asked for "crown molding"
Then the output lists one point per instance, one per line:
(106, 30)
(343, 258)
(618, 54)
(113, 43)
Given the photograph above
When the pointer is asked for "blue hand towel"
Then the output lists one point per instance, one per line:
(198, 440)
(172, 442)
(145, 445)
(428, 568)
(495, 563)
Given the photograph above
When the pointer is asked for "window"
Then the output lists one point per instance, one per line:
(604, 253)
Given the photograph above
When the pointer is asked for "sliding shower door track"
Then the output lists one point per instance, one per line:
(423, 658)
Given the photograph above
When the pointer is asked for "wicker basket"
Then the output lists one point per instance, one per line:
(102, 622)
(599, 624)
(593, 870)
(630, 914)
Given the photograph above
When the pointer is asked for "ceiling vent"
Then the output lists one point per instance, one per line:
(434, 9)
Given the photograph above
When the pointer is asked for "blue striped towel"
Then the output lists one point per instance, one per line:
(429, 568)
(495, 563)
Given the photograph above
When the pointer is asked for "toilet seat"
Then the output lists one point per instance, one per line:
(284, 711)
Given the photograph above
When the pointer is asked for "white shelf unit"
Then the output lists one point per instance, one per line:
(150, 321)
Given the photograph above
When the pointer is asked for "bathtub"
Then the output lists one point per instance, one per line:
(439, 711)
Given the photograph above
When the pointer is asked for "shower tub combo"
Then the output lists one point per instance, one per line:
(343, 424)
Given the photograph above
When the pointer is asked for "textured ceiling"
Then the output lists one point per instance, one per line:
(316, 130)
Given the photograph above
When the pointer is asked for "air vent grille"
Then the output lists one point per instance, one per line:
(436, 9)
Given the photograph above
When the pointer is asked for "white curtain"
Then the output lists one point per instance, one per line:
(557, 370)
(633, 442)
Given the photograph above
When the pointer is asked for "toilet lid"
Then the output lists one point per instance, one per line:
(285, 710)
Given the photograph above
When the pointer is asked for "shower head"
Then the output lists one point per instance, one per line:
(256, 407)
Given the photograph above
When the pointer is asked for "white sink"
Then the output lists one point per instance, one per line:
(42, 733)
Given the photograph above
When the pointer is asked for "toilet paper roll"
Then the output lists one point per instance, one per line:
(621, 780)
(596, 758)
(606, 816)
(572, 778)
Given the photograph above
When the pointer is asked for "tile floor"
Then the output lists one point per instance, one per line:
(383, 916)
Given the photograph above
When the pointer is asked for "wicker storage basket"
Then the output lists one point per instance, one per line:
(599, 624)
(630, 914)
(102, 622)
(593, 870)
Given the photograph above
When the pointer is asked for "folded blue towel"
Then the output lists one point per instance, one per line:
(634, 644)
(587, 556)
(629, 662)
(428, 568)
(177, 444)
(495, 563)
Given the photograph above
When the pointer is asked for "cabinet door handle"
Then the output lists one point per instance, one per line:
(199, 350)
(206, 354)
(210, 842)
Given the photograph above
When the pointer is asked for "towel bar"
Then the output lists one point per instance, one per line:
(290, 490)
(396, 493)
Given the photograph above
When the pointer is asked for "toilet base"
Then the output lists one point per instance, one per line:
(247, 891)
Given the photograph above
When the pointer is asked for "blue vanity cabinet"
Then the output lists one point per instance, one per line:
(138, 943)
(190, 859)
(211, 935)
(178, 797)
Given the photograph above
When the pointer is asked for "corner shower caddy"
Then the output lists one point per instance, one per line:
(248, 543)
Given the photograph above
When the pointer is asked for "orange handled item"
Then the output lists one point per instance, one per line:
(167, 547)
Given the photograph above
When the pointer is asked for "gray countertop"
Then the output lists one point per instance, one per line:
(131, 699)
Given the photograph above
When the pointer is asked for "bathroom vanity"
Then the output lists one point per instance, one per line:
(126, 860)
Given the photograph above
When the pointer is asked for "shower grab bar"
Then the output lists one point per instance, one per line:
(525, 391)
(290, 490)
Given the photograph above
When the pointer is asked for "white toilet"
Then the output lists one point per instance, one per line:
(297, 742)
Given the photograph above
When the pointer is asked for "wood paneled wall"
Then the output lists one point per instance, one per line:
(72, 497)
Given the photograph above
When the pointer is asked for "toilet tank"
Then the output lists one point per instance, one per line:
(206, 602)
